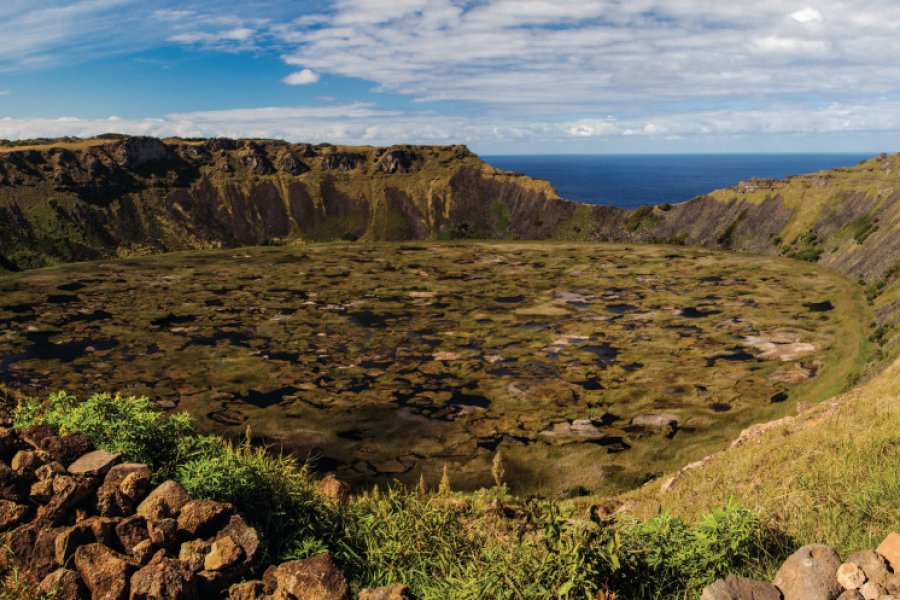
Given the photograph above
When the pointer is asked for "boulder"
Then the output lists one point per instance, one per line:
(316, 578)
(43, 556)
(65, 449)
(249, 590)
(850, 576)
(70, 538)
(104, 571)
(850, 595)
(123, 487)
(165, 501)
(890, 550)
(9, 441)
(872, 591)
(661, 420)
(94, 464)
(131, 531)
(25, 461)
(202, 518)
(736, 588)
(243, 535)
(810, 573)
(398, 591)
(62, 584)
(164, 579)
(193, 554)
(163, 532)
(12, 514)
(333, 488)
(872, 564)
(68, 492)
(224, 553)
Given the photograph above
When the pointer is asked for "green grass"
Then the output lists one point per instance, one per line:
(830, 478)
(445, 545)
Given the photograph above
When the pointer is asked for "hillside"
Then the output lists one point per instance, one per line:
(71, 200)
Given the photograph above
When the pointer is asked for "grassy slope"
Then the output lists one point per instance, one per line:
(830, 477)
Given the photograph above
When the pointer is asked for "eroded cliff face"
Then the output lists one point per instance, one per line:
(88, 199)
(847, 218)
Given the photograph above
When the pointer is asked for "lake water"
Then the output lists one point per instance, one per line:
(630, 180)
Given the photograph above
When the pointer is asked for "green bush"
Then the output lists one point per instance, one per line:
(131, 426)
(666, 557)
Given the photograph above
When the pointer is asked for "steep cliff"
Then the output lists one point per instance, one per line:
(67, 200)
(85, 199)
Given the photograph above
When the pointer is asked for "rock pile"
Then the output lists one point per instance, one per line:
(816, 572)
(88, 526)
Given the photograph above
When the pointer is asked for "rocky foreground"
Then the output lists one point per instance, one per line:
(815, 572)
(82, 524)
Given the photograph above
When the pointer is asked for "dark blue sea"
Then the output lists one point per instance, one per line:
(630, 180)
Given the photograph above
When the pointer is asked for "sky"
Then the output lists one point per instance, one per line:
(502, 76)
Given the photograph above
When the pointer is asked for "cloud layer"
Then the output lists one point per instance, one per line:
(537, 70)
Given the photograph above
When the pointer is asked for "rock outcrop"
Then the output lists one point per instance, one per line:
(815, 572)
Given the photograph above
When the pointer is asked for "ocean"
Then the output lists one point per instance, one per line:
(631, 180)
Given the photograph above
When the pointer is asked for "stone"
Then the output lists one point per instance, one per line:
(68, 492)
(850, 576)
(65, 449)
(662, 420)
(143, 551)
(399, 591)
(42, 491)
(25, 461)
(131, 531)
(9, 441)
(136, 484)
(94, 464)
(104, 571)
(734, 588)
(62, 584)
(43, 555)
(872, 591)
(223, 554)
(202, 518)
(163, 532)
(10, 487)
(872, 564)
(104, 529)
(249, 590)
(70, 538)
(333, 488)
(890, 550)
(316, 578)
(19, 545)
(165, 501)
(193, 554)
(244, 535)
(48, 471)
(124, 486)
(164, 579)
(12, 514)
(850, 595)
(810, 573)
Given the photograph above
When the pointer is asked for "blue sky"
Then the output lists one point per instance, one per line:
(503, 76)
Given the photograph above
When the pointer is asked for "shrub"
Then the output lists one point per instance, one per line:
(132, 426)
(666, 557)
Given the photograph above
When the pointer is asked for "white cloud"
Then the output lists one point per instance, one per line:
(304, 77)
(364, 123)
(4, 92)
(807, 15)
